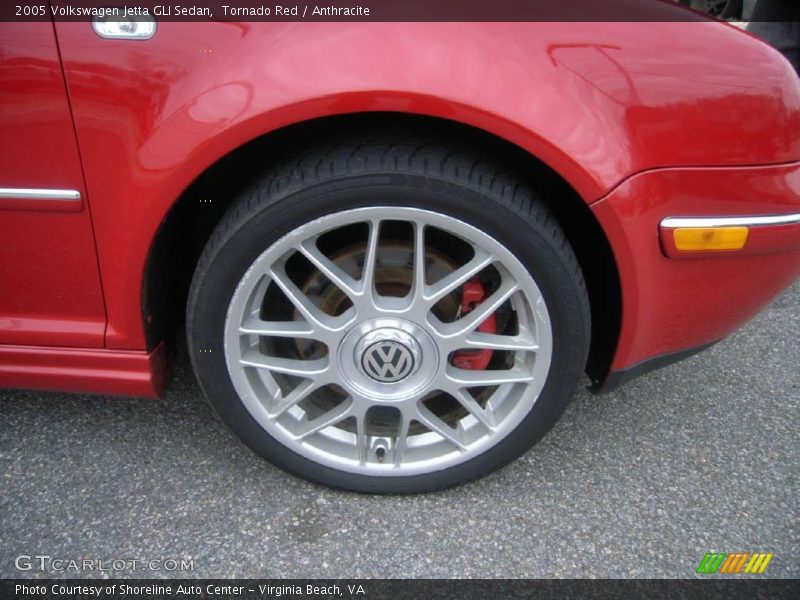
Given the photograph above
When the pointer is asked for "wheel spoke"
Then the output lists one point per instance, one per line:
(362, 440)
(401, 443)
(435, 424)
(253, 325)
(298, 394)
(493, 341)
(459, 277)
(418, 278)
(332, 417)
(484, 416)
(467, 378)
(288, 366)
(371, 259)
(317, 318)
(480, 313)
(327, 267)
(298, 299)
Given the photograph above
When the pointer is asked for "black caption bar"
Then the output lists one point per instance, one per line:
(252, 589)
(351, 10)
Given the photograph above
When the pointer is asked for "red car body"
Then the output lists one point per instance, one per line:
(643, 121)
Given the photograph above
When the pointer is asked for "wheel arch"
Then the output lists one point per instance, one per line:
(191, 218)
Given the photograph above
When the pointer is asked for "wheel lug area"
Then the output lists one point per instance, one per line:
(387, 359)
(388, 355)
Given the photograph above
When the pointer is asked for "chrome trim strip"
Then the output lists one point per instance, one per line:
(675, 222)
(38, 194)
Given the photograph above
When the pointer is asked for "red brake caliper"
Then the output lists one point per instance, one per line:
(475, 360)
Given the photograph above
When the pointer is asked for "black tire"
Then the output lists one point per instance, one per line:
(733, 10)
(730, 10)
(398, 171)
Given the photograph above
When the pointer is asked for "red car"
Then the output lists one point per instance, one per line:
(395, 247)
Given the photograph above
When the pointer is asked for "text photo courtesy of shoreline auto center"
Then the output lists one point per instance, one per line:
(379, 299)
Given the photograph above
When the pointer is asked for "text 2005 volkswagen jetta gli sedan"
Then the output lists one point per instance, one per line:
(395, 247)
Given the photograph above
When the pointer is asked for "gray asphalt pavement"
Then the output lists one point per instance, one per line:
(700, 456)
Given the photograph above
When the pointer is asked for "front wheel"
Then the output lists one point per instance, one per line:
(388, 317)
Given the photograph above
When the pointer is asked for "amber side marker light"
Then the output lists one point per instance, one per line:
(704, 239)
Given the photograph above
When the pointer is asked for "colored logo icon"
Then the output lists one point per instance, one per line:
(734, 563)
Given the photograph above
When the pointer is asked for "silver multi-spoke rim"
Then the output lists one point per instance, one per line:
(371, 387)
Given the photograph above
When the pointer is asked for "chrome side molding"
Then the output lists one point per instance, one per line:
(677, 222)
(38, 194)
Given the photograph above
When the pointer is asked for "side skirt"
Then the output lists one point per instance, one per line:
(80, 370)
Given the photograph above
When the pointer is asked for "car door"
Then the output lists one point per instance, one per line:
(50, 290)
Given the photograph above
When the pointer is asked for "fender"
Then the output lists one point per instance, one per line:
(582, 97)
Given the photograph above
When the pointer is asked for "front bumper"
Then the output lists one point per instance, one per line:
(671, 305)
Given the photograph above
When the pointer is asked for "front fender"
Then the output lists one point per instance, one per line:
(597, 102)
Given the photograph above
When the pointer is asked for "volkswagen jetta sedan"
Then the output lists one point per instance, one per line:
(395, 248)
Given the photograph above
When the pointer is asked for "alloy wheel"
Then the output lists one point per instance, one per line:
(352, 341)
